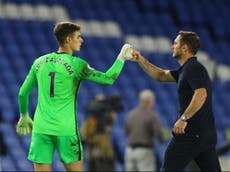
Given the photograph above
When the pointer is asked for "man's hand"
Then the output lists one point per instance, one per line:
(136, 56)
(179, 127)
(126, 52)
(24, 125)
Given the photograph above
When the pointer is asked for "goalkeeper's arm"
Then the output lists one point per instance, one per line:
(109, 77)
(25, 123)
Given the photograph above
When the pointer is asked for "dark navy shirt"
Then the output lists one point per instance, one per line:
(191, 76)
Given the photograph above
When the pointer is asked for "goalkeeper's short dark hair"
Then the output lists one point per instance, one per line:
(191, 39)
(63, 30)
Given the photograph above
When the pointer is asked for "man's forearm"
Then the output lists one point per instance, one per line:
(152, 70)
(155, 72)
(196, 103)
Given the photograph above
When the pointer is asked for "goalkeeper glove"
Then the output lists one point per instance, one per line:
(24, 125)
(125, 53)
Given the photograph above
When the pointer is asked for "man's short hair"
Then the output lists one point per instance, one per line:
(146, 95)
(64, 29)
(191, 40)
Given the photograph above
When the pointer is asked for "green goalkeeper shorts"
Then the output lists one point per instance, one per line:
(42, 148)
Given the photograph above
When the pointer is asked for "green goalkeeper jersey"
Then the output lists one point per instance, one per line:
(58, 76)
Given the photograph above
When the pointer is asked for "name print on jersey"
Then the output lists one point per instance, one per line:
(55, 60)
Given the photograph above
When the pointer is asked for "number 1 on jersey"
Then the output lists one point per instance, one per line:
(52, 75)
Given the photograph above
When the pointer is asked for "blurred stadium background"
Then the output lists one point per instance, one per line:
(149, 25)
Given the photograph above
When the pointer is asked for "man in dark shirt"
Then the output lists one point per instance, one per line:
(194, 133)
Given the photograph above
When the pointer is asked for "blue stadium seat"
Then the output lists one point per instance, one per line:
(220, 138)
(24, 165)
(57, 165)
(159, 152)
(7, 163)
(25, 140)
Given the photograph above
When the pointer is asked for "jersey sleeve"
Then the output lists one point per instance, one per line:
(25, 90)
(107, 78)
(195, 75)
(175, 74)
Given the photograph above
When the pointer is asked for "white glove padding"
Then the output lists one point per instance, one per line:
(126, 52)
(24, 125)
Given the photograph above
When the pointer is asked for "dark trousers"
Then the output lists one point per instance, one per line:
(101, 164)
(184, 148)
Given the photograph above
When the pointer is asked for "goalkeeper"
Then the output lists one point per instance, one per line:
(58, 76)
